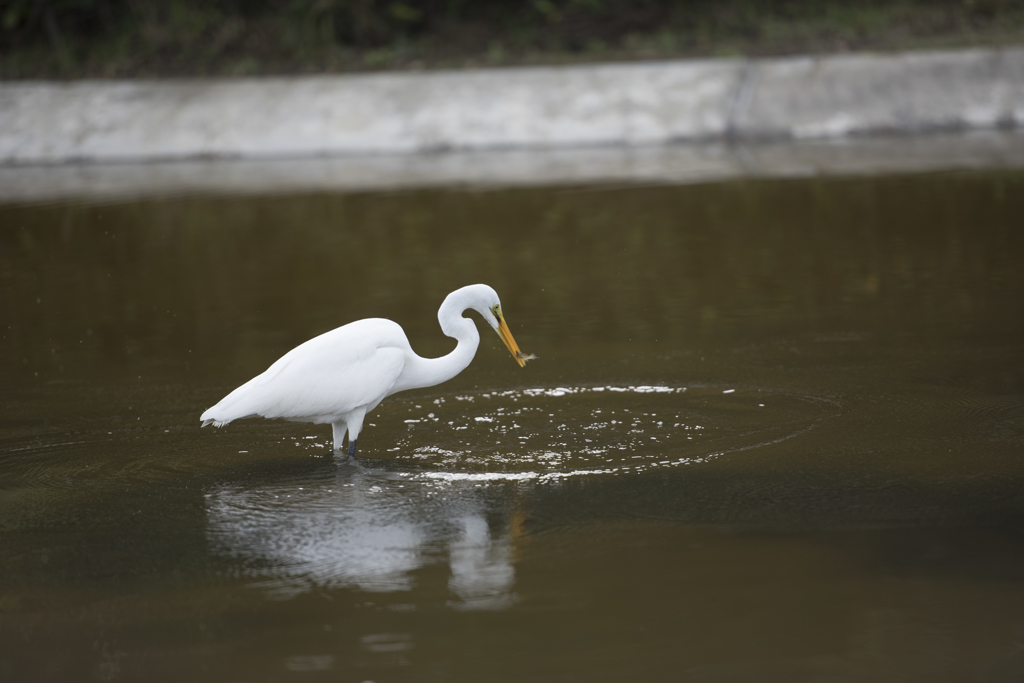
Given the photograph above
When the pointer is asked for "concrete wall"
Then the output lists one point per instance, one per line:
(541, 108)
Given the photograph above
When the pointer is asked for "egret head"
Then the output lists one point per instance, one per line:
(484, 300)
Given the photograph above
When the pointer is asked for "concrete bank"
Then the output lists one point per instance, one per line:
(623, 105)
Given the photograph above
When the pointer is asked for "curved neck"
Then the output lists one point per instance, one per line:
(426, 372)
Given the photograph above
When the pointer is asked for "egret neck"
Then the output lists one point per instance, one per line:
(427, 372)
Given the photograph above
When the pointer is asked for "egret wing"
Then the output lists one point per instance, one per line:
(327, 376)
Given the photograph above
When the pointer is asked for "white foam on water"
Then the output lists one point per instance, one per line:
(475, 476)
(568, 454)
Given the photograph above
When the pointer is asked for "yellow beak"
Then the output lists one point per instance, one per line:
(506, 337)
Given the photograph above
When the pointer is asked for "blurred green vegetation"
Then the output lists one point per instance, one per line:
(135, 38)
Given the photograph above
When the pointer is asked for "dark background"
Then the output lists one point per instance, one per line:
(133, 38)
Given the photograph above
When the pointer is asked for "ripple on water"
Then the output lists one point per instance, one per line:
(553, 433)
(524, 434)
(136, 455)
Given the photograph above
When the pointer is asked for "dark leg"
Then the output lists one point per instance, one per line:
(352, 448)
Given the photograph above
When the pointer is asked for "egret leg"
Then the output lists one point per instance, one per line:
(354, 420)
(339, 434)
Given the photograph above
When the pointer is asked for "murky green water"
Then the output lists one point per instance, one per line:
(775, 433)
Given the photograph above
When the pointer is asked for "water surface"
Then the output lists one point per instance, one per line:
(775, 432)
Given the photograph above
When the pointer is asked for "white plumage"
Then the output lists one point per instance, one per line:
(343, 374)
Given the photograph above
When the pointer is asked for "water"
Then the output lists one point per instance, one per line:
(775, 433)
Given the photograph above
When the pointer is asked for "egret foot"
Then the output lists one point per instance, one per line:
(352, 448)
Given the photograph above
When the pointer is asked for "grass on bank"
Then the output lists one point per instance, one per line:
(66, 39)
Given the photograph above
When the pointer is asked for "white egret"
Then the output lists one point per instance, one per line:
(343, 374)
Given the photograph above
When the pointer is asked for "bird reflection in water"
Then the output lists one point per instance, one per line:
(369, 531)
